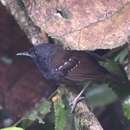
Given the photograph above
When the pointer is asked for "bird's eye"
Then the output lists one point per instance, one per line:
(44, 58)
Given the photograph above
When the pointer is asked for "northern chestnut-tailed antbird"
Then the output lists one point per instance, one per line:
(57, 64)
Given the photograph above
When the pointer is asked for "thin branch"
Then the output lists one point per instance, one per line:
(87, 118)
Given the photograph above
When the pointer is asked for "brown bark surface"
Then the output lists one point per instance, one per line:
(83, 24)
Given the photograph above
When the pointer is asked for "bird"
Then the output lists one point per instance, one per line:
(57, 64)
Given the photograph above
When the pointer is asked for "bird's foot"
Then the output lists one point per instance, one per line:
(78, 98)
(75, 102)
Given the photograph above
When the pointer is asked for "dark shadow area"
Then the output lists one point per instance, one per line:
(21, 84)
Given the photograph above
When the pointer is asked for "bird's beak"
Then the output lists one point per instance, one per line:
(24, 54)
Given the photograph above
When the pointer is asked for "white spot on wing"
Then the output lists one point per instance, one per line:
(70, 59)
(60, 67)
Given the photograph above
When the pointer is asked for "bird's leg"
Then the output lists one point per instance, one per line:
(79, 97)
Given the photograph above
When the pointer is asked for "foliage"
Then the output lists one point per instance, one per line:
(126, 107)
(12, 128)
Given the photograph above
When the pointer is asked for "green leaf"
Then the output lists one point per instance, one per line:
(99, 95)
(114, 68)
(122, 55)
(117, 79)
(12, 128)
(60, 113)
(126, 107)
(119, 55)
(44, 107)
(40, 111)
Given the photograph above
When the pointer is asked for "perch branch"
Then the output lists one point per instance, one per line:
(87, 118)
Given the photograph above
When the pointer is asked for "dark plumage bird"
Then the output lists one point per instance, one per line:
(57, 64)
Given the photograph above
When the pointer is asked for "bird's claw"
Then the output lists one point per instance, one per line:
(74, 103)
